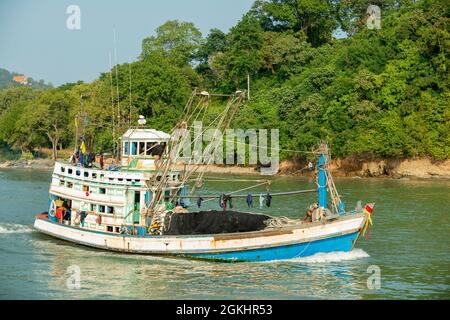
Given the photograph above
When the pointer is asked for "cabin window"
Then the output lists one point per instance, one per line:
(109, 229)
(102, 176)
(86, 174)
(149, 148)
(92, 207)
(141, 148)
(62, 182)
(69, 185)
(126, 148)
(86, 188)
(101, 209)
(94, 176)
(134, 146)
(120, 179)
(102, 190)
(69, 171)
(78, 172)
(63, 169)
(118, 229)
(110, 210)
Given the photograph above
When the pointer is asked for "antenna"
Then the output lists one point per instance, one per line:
(129, 116)
(117, 80)
(112, 106)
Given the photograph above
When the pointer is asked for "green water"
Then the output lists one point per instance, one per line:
(409, 243)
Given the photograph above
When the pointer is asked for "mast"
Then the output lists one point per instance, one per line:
(322, 180)
(326, 183)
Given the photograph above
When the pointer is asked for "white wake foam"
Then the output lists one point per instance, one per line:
(14, 228)
(333, 257)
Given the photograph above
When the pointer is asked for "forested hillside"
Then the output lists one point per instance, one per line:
(376, 93)
(6, 80)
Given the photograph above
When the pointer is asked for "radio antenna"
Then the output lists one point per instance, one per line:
(129, 116)
(112, 106)
(117, 82)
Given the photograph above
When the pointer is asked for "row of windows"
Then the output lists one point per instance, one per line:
(102, 209)
(143, 148)
(111, 229)
(86, 188)
(94, 175)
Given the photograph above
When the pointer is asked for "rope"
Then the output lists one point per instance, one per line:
(281, 222)
(279, 194)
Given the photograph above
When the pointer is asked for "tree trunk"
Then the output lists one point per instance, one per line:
(54, 142)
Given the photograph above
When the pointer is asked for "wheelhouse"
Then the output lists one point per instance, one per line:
(141, 147)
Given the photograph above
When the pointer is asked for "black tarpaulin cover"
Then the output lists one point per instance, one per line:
(214, 222)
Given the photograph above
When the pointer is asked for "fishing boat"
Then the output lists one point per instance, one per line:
(142, 205)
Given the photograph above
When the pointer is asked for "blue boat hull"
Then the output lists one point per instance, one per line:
(339, 243)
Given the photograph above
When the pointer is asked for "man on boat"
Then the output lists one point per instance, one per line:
(83, 209)
(309, 213)
(102, 161)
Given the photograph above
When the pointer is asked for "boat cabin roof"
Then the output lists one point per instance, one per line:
(149, 135)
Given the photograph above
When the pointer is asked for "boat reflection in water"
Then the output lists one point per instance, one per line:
(114, 275)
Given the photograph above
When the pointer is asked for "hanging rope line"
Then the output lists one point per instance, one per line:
(277, 194)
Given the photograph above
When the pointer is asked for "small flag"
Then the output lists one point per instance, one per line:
(368, 209)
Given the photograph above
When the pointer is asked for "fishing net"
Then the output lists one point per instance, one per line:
(214, 222)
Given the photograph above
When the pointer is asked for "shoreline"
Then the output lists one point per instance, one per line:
(422, 168)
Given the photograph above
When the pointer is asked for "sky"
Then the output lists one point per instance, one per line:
(35, 39)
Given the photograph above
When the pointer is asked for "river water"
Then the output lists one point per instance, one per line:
(409, 246)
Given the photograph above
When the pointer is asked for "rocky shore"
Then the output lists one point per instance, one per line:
(28, 164)
(392, 168)
(349, 167)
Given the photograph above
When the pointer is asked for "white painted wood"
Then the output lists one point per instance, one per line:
(206, 243)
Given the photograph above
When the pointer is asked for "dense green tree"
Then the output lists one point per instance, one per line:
(313, 17)
(178, 40)
(376, 93)
(243, 56)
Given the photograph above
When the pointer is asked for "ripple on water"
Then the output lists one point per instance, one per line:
(6, 228)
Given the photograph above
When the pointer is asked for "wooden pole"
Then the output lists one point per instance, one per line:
(248, 86)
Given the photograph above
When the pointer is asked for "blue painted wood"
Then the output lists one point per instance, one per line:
(322, 181)
(339, 243)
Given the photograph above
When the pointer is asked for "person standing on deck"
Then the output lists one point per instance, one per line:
(250, 200)
(83, 209)
(82, 154)
(102, 161)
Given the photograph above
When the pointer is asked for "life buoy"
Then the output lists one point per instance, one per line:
(52, 208)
